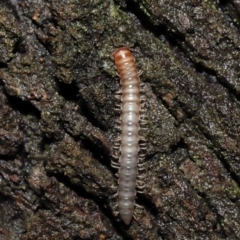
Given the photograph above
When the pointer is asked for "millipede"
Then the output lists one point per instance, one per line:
(128, 143)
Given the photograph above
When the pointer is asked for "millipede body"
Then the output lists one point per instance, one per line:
(129, 146)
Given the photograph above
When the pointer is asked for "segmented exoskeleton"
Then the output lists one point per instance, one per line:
(129, 139)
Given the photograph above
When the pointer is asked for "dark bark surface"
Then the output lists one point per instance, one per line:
(57, 118)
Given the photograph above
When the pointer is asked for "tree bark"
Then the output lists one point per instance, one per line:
(57, 118)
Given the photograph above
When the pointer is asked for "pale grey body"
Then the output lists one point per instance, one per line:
(129, 147)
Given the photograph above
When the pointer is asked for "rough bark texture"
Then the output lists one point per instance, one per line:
(57, 85)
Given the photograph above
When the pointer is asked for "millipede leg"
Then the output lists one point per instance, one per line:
(143, 105)
(115, 160)
(142, 156)
(117, 139)
(119, 92)
(117, 110)
(139, 182)
(118, 97)
(141, 177)
(115, 157)
(114, 188)
(114, 196)
(142, 145)
(141, 168)
(118, 105)
(143, 139)
(141, 165)
(116, 213)
(141, 187)
(143, 110)
(138, 206)
(114, 165)
(118, 121)
(117, 127)
(143, 122)
(143, 117)
(116, 147)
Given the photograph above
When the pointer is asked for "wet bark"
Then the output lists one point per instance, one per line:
(57, 118)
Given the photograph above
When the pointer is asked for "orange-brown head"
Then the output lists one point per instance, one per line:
(122, 56)
(121, 53)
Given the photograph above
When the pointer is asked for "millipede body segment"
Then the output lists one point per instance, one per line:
(129, 146)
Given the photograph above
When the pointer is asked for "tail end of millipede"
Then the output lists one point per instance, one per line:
(126, 220)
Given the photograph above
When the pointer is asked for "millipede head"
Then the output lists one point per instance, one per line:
(120, 49)
(121, 53)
